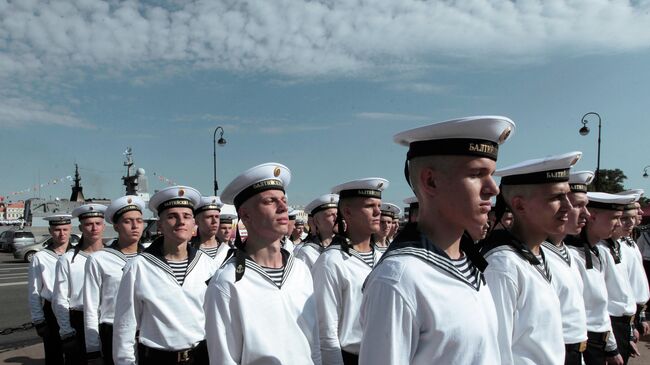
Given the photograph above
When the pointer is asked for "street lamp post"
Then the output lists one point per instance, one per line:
(645, 171)
(221, 142)
(584, 131)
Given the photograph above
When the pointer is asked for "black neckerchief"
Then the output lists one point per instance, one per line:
(411, 236)
(581, 241)
(239, 251)
(156, 250)
(614, 249)
(116, 246)
(505, 238)
(629, 241)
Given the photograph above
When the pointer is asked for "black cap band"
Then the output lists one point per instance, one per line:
(360, 193)
(578, 188)
(206, 208)
(264, 185)
(540, 177)
(95, 214)
(124, 209)
(175, 203)
(387, 213)
(631, 206)
(323, 207)
(60, 222)
(454, 146)
(606, 206)
(225, 220)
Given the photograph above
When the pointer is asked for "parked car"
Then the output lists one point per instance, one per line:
(27, 253)
(13, 239)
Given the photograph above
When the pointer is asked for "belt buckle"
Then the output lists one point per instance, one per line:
(183, 356)
(583, 346)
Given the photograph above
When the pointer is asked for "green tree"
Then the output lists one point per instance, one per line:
(609, 181)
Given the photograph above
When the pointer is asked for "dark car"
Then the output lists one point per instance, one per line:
(26, 253)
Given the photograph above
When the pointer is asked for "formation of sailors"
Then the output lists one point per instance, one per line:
(549, 275)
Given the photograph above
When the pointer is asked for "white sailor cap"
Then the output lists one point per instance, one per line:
(473, 136)
(579, 180)
(550, 169)
(174, 197)
(267, 176)
(300, 222)
(208, 203)
(325, 201)
(412, 202)
(89, 211)
(608, 201)
(59, 219)
(122, 205)
(228, 213)
(370, 187)
(292, 213)
(638, 192)
(390, 210)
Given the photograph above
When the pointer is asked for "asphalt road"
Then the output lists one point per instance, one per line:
(13, 303)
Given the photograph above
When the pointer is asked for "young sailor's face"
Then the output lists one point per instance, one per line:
(364, 214)
(548, 207)
(578, 214)
(386, 226)
(628, 220)
(61, 234)
(92, 228)
(129, 226)
(604, 222)
(325, 219)
(223, 234)
(177, 224)
(266, 214)
(208, 222)
(465, 191)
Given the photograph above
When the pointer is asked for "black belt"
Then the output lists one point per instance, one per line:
(180, 356)
(622, 319)
(579, 347)
(597, 337)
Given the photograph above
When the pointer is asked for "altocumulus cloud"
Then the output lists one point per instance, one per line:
(306, 38)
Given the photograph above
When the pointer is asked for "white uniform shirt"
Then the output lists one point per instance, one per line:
(40, 283)
(338, 278)
(222, 253)
(631, 256)
(104, 270)
(621, 298)
(419, 309)
(568, 285)
(68, 288)
(169, 316)
(309, 252)
(530, 322)
(594, 292)
(254, 321)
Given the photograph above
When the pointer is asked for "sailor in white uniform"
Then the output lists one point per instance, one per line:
(631, 256)
(530, 321)
(383, 237)
(323, 211)
(207, 215)
(163, 289)
(227, 220)
(567, 281)
(414, 207)
(259, 305)
(429, 280)
(104, 271)
(342, 268)
(621, 302)
(68, 303)
(287, 243)
(40, 286)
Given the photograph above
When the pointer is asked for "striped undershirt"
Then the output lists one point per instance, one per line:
(368, 257)
(466, 268)
(275, 274)
(211, 251)
(129, 256)
(179, 268)
(543, 266)
(563, 251)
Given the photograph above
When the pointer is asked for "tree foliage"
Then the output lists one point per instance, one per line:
(609, 181)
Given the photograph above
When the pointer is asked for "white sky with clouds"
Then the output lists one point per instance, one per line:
(318, 85)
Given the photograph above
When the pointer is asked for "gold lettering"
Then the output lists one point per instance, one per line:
(557, 174)
(483, 148)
